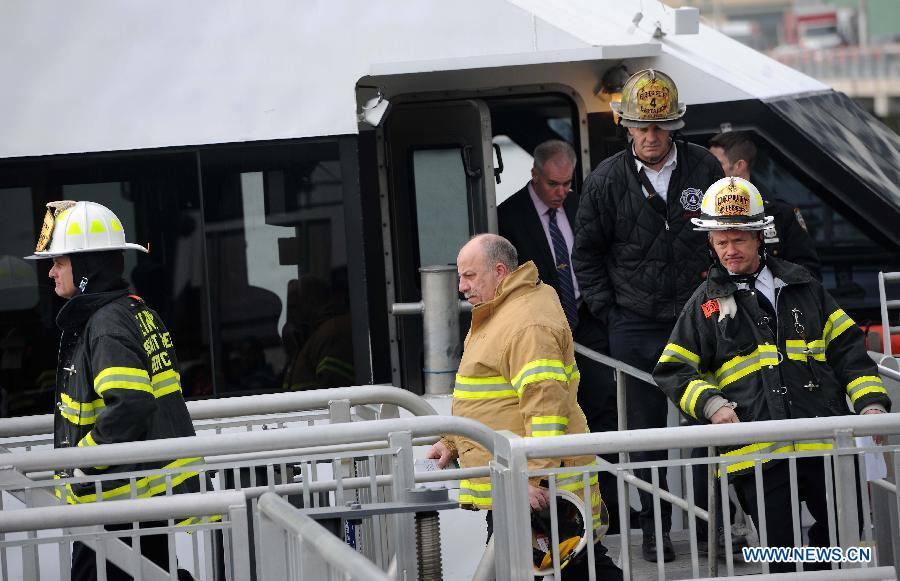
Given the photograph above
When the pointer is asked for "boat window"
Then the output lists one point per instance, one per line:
(156, 198)
(275, 238)
(442, 213)
(850, 256)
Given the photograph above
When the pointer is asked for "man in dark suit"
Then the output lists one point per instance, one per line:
(538, 220)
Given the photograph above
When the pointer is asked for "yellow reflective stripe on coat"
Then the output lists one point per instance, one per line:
(865, 385)
(336, 366)
(542, 426)
(539, 370)
(837, 323)
(482, 387)
(692, 393)
(87, 440)
(772, 448)
(169, 381)
(475, 493)
(743, 365)
(145, 487)
(79, 413)
(122, 378)
(674, 353)
(799, 350)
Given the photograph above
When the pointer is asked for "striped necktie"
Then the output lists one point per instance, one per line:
(565, 288)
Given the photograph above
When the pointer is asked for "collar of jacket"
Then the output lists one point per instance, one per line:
(79, 308)
(517, 283)
(681, 157)
(719, 283)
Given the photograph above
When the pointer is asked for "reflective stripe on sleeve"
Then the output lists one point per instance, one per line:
(837, 323)
(542, 426)
(865, 385)
(692, 393)
(539, 370)
(482, 387)
(475, 493)
(122, 378)
(169, 381)
(744, 365)
(674, 353)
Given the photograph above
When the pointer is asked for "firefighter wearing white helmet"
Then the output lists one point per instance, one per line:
(732, 203)
(761, 339)
(637, 257)
(117, 376)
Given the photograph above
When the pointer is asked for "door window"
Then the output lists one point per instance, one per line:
(442, 211)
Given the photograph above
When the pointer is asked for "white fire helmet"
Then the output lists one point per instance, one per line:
(571, 517)
(732, 203)
(71, 227)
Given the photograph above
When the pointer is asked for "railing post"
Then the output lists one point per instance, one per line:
(512, 513)
(846, 489)
(240, 542)
(404, 478)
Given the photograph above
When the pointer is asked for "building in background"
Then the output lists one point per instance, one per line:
(851, 45)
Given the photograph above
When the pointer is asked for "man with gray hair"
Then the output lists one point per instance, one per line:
(518, 373)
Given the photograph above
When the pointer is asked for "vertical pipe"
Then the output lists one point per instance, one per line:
(440, 325)
(845, 491)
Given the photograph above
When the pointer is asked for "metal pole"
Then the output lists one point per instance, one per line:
(440, 323)
(845, 472)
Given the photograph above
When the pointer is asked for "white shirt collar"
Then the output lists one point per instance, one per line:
(671, 160)
(538, 202)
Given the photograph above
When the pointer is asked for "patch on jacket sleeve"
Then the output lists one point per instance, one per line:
(710, 307)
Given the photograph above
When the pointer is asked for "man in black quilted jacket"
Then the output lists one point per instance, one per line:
(636, 255)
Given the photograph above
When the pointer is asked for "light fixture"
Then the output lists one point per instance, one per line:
(373, 111)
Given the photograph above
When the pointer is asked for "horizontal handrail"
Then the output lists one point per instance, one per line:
(244, 442)
(120, 511)
(707, 435)
(230, 407)
(315, 537)
(614, 363)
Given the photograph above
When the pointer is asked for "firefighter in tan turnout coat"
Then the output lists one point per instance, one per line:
(517, 373)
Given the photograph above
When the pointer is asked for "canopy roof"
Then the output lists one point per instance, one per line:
(100, 76)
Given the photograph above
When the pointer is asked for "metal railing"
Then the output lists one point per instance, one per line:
(62, 525)
(510, 477)
(297, 548)
(360, 471)
(876, 62)
(207, 413)
(886, 305)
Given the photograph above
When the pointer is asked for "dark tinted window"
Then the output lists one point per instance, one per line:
(156, 198)
(277, 253)
(250, 277)
(851, 257)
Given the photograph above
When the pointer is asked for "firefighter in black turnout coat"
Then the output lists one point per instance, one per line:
(117, 377)
(761, 339)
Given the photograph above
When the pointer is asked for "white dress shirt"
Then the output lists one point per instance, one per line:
(563, 222)
(765, 284)
(659, 179)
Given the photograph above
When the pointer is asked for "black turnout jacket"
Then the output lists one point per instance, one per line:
(117, 380)
(808, 363)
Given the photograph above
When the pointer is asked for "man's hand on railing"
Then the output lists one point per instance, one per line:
(538, 498)
(440, 452)
(725, 415)
(878, 439)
